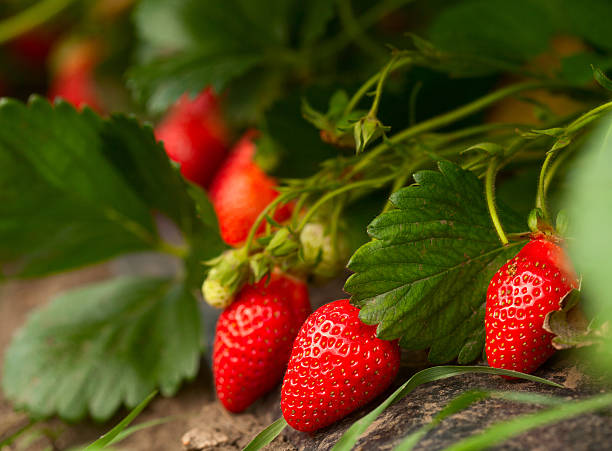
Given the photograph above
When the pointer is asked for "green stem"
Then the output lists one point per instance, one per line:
(298, 208)
(588, 117)
(269, 208)
(371, 82)
(365, 21)
(335, 218)
(555, 166)
(354, 30)
(490, 195)
(541, 195)
(452, 116)
(30, 18)
(379, 87)
(177, 251)
(372, 183)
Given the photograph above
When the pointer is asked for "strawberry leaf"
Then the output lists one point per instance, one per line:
(217, 43)
(101, 181)
(494, 28)
(95, 348)
(424, 276)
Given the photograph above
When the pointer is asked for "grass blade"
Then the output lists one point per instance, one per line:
(267, 435)
(350, 437)
(132, 429)
(501, 432)
(110, 436)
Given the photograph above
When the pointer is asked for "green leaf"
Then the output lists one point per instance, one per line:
(499, 29)
(588, 19)
(267, 435)
(577, 68)
(95, 348)
(218, 43)
(589, 203)
(159, 24)
(350, 437)
(112, 435)
(501, 432)
(316, 16)
(601, 78)
(424, 276)
(161, 82)
(299, 146)
(62, 203)
(79, 189)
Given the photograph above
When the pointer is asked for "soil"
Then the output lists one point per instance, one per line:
(198, 422)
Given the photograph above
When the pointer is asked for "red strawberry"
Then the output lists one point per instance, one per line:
(337, 365)
(74, 78)
(33, 47)
(194, 136)
(254, 337)
(240, 191)
(520, 295)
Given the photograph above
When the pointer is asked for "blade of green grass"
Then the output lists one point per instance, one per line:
(350, 437)
(267, 435)
(111, 435)
(501, 432)
(9, 440)
(465, 400)
(145, 425)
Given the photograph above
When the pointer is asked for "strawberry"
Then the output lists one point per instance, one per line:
(254, 337)
(240, 191)
(337, 365)
(73, 79)
(194, 136)
(519, 297)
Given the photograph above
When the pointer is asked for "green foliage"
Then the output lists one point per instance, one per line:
(95, 348)
(496, 29)
(111, 436)
(217, 43)
(82, 189)
(267, 435)
(589, 198)
(424, 276)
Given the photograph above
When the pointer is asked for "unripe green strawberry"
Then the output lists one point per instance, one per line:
(337, 365)
(319, 252)
(520, 295)
(226, 277)
(253, 339)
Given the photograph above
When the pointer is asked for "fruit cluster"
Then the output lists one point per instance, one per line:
(331, 363)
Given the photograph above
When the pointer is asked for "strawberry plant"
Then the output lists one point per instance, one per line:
(452, 167)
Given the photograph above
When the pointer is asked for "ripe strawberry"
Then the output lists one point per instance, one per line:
(194, 136)
(254, 337)
(240, 191)
(337, 365)
(73, 79)
(33, 47)
(519, 297)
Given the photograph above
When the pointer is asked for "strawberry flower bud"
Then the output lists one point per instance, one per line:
(225, 278)
(367, 129)
(282, 244)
